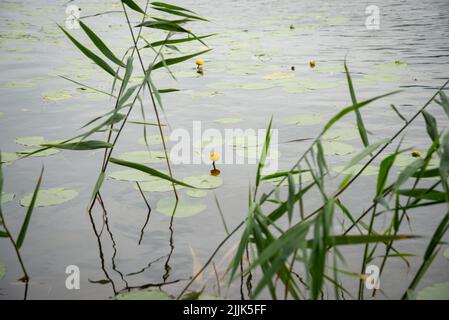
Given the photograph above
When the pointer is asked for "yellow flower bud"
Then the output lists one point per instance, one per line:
(416, 154)
(214, 156)
(312, 64)
(199, 62)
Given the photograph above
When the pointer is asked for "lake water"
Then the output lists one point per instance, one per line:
(247, 76)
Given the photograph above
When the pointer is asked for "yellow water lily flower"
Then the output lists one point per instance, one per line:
(416, 154)
(312, 64)
(199, 62)
(214, 156)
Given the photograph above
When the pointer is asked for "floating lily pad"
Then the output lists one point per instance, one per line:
(130, 175)
(256, 152)
(143, 156)
(303, 120)
(338, 20)
(404, 159)
(205, 94)
(369, 170)
(439, 291)
(342, 134)
(246, 141)
(337, 148)
(382, 77)
(305, 177)
(56, 96)
(157, 185)
(329, 68)
(243, 69)
(184, 207)
(43, 153)
(6, 197)
(33, 141)
(143, 295)
(224, 86)
(210, 142)
(204, 181)
(194, 193)
(8, 158)
(258, 86)
(279, 76)
(50, 197)
(392, 66)
(228, 120)
(152, 139)
(446, 253)
(29, 83)
(2, 270)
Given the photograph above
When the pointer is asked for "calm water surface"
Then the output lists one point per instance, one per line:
(254, 42)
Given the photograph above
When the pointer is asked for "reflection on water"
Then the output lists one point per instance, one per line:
(259, 66)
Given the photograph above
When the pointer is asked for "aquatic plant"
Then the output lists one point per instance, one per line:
(300, 260)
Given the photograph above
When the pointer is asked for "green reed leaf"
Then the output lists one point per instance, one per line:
(150, 171)
(132, 5)
(101, 45)
(92, 56)
(81, 145)
(26, 221)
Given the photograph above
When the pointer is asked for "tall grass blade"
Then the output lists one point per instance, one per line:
(26, 221)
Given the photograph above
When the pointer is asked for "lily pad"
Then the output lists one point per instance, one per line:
(194, 193)
(8, 157)
(279, 76)
(2, 270)
(224, 86)
(44, 153)
(184, 207)
(204, 181)
(446, 253)
(50, 197)
(143, 295)
(391, 66)
(228, 120)
(255, 153)
(404, 159)
(305, 177)
(246, 141)
(6, 197)
(143, 156)
(303, 120)
(56, 95)
(157, 185)
(439, 291)
(130, 175)
(210, 142)
(205, 94)
(382, 77)
(258, 86)
(33, 141)
(337, 148)
(152, 139)
(369, 170)
(342, 134)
